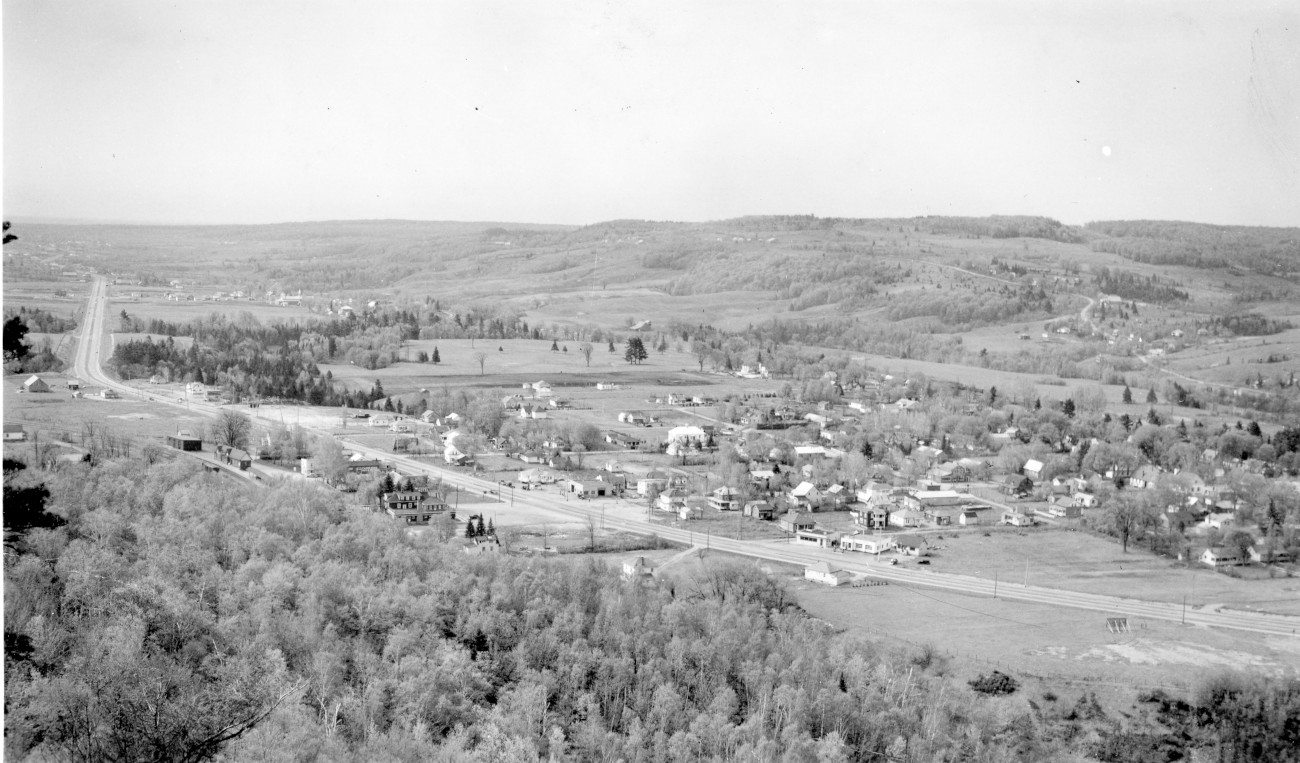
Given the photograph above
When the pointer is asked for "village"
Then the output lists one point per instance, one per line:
(860, 476)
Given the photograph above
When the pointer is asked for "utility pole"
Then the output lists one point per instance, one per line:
(995, 584)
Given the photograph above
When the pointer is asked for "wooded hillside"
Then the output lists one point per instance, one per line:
(156, 612)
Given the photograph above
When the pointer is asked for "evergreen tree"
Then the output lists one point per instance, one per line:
(1151, 396)
(491, 528)
(611, 346)
(1068, 407)
(469, 528)
(993, 395)
(635, 352)
(1254, 429)
(436, 357)
(867, 450)
(555, 346)
(1128, 395)
(481, 530)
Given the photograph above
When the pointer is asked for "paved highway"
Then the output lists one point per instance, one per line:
(88, 366)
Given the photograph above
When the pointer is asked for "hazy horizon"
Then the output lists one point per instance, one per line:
(136, 112)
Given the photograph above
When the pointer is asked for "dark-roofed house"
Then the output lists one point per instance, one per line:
(759, 510)
(15, 432)
(414, 507)
(793, 522)
(911, 545)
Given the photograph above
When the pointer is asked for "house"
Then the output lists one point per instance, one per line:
(1218, 520)
(1222, 557)
(823, 572)
(970, 517)
(623, 440)
(1084, 500)
(1263, 555)
(725, 499)
(74, 384)
(638, 569)
(1033, 469)
(451, 454)
(35, 383)
(871, 517)
(867, 544)
(1016, 485)
(910, 545)
(905, 518)
(1019, 519)
(654, 481)
(818, 538)
(234, 457)
(633, 417)
(759, 510)
(414, 507)
(951, 471)
(692, 508)
(763, 474)
(793, 522)
(671, 500)
(536, 476)
(15, 433)
(1145, 478)
(683, 438)
(1065, 510)
(806, 496)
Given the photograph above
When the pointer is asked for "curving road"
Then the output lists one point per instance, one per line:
(88, 366)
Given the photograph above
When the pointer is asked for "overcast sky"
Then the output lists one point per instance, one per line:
(228, 111)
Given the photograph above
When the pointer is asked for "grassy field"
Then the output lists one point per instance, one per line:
(1080, 561)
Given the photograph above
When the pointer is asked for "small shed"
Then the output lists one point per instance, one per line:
(15, 433)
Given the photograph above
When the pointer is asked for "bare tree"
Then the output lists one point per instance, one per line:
(231, 428)
(481, 357)
(586, 349)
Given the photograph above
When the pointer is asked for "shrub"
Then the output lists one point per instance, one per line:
(996, 683)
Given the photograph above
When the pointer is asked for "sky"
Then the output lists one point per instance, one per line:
(273, 111)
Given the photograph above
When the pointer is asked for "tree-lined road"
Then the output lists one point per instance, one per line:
(88, 365)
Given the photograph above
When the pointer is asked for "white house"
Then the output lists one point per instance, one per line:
(823, 572)
(867, 544)
(1222, 557)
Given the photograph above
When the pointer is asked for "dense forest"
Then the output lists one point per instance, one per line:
(156, 612)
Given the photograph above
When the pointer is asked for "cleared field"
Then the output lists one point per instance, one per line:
(1057, 645)
(179, 312)
(1079, 561)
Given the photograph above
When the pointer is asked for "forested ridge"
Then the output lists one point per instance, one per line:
(1272, 251)
(158, 613)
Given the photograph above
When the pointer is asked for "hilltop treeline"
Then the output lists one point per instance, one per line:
(1273, 251)
(995, 226)
(160, 613)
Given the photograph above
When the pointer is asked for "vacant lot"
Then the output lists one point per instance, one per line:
(1062, 646)
(1079, 561)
